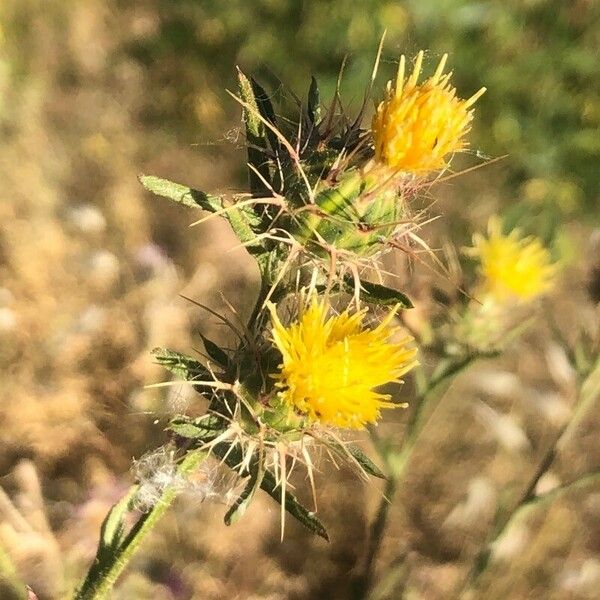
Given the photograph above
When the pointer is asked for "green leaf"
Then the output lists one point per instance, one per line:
(256, 140)
(233, 456)
(379, 294)
(243, 219)
(314, 103)
(364, 461)
(110, 545)
(112, 529)
(181, 193)
(204, 429)
(216, 353)
(267, 112)
(115, 549)
(350, 450)
(299, 512)
(240, 506)
(181, 365)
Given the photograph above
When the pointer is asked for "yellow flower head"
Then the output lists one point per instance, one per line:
(512, 266)
(418, 124)
(332, 365)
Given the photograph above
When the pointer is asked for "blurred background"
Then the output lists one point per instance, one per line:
(94, 93)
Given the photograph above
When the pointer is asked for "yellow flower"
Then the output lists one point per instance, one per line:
(418, 125)
(332, 365)
(512, 266)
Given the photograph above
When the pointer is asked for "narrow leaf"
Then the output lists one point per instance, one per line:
(350, 450)
(240, 506)
(204, 429)
(242, 219)
(379, 294)
(111, 531)
(110, 545)
(256, 140)
(216, 353)
(233, 457)
(180, 193)
(364, 461)
(299, 512)
(266, 109)
(268, 113)
(181, 365)
(314, 103)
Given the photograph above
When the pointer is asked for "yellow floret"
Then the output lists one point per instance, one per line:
(418, 125)
(512, 266)
(331, 366)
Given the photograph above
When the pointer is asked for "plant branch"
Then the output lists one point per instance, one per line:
(101, 578)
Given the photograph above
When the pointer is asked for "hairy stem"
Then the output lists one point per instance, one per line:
(98, 583)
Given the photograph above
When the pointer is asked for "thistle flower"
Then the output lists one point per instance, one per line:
(511, 265)
(417, 125)
(332, 365)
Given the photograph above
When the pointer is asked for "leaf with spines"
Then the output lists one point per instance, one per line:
(259, 174)
(232, 456)
(373, 293)
(314, 103)
(242, 503)
(265, 107)
(181, 194)
(365, 463)
(297, 510)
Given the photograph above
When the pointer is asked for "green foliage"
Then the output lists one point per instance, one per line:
(202, 429)
(259, 177)
(297, 510)
(206, 429)
(116, 547)
(181, 193)
(215, 352)
(238, 508)
(231, 455)
(363, 461)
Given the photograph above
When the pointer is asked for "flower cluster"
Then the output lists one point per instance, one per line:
(327, 197)
(324, 347)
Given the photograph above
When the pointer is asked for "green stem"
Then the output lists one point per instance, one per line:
(98, 584)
